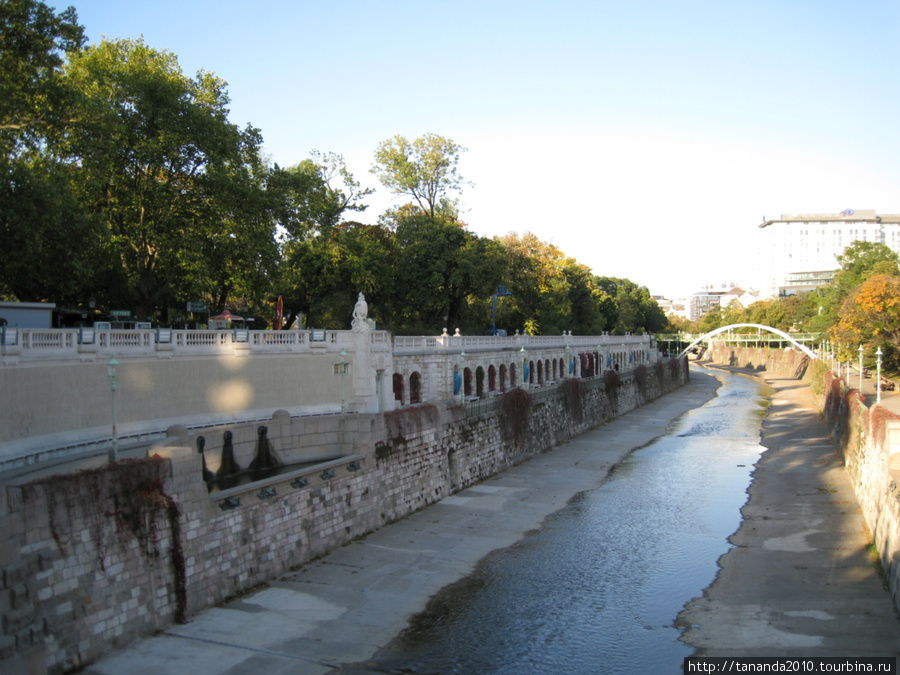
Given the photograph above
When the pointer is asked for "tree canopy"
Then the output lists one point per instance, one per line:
(426, 169)
(124, 183)
(34, 97)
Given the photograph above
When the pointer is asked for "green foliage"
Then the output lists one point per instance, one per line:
(425, 169)
(637, 311)
(125, 181)
(159, 161)
(322, 274)
(440, 265)
(35, 100)
(52, 236)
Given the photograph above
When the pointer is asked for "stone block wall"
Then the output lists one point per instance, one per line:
(868, 437)
(91, 561)
(787, 362)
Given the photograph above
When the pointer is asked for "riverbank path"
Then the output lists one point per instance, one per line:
(799, 581)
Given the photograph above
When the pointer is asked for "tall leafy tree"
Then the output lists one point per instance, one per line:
(152, 148)
(50, 242)
(426, 169)
(48, 238)
(859, 261)
(871, 315)
(535, 277)
(312, 198)
(35, 99)
(441, 265)
(637, 311)
(233, 253)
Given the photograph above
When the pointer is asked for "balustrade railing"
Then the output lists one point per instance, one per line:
(32, 345)
(473, 343)
(55, 344)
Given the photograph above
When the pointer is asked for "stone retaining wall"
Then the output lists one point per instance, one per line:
(92, 561)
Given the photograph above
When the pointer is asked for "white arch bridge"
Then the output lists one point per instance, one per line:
(780, 333)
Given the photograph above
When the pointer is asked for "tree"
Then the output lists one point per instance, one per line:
(153, 147)
(440, 265)
(871, 315)
(860, 261)
(312, 198)
(41, 222)
(637, 311)
(323, 274)
(233, 253)
(34, 97)
(425, 169)
(711, 320)
(539, 300)
(50, 241)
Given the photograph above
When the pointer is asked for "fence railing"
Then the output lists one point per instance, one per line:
(474, 343)
(28, 345)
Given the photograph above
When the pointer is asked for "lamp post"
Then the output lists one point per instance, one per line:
(568, 371)
(343, 363)
(111, 371)
(878, 376)
(860, 368)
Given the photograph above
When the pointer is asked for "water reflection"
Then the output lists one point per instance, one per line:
(598, 588)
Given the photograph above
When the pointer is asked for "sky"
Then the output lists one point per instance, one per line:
(646, 139)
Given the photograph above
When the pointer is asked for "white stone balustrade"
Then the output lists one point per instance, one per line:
(54, 388)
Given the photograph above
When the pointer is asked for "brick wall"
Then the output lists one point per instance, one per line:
(94, 560)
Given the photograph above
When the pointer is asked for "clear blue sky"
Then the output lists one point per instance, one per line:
(645, 139)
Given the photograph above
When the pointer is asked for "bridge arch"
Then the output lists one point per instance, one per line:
(803, 348)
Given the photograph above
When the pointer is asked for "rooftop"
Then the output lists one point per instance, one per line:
(847, 215)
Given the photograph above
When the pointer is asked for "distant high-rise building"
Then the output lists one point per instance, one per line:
(799, 253)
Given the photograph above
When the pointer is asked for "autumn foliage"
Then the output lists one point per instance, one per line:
(871, 314)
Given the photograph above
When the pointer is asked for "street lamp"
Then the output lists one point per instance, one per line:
(569, 369)
(111, 370)
(878, 376)
(343, 365)
(860, 368)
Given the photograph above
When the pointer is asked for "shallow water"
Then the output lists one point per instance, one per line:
(598, 588)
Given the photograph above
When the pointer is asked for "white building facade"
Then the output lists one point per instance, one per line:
(799, 252)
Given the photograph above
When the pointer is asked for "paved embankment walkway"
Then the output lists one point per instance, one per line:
(344, 607)
(799, 581)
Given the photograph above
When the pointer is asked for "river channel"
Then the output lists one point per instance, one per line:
(598, 588)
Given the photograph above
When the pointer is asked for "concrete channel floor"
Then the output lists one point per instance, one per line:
(799, 581)
(340, 610)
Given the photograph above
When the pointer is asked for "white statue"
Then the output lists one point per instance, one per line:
(360, 312)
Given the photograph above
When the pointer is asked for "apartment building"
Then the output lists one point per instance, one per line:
(799, 252)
